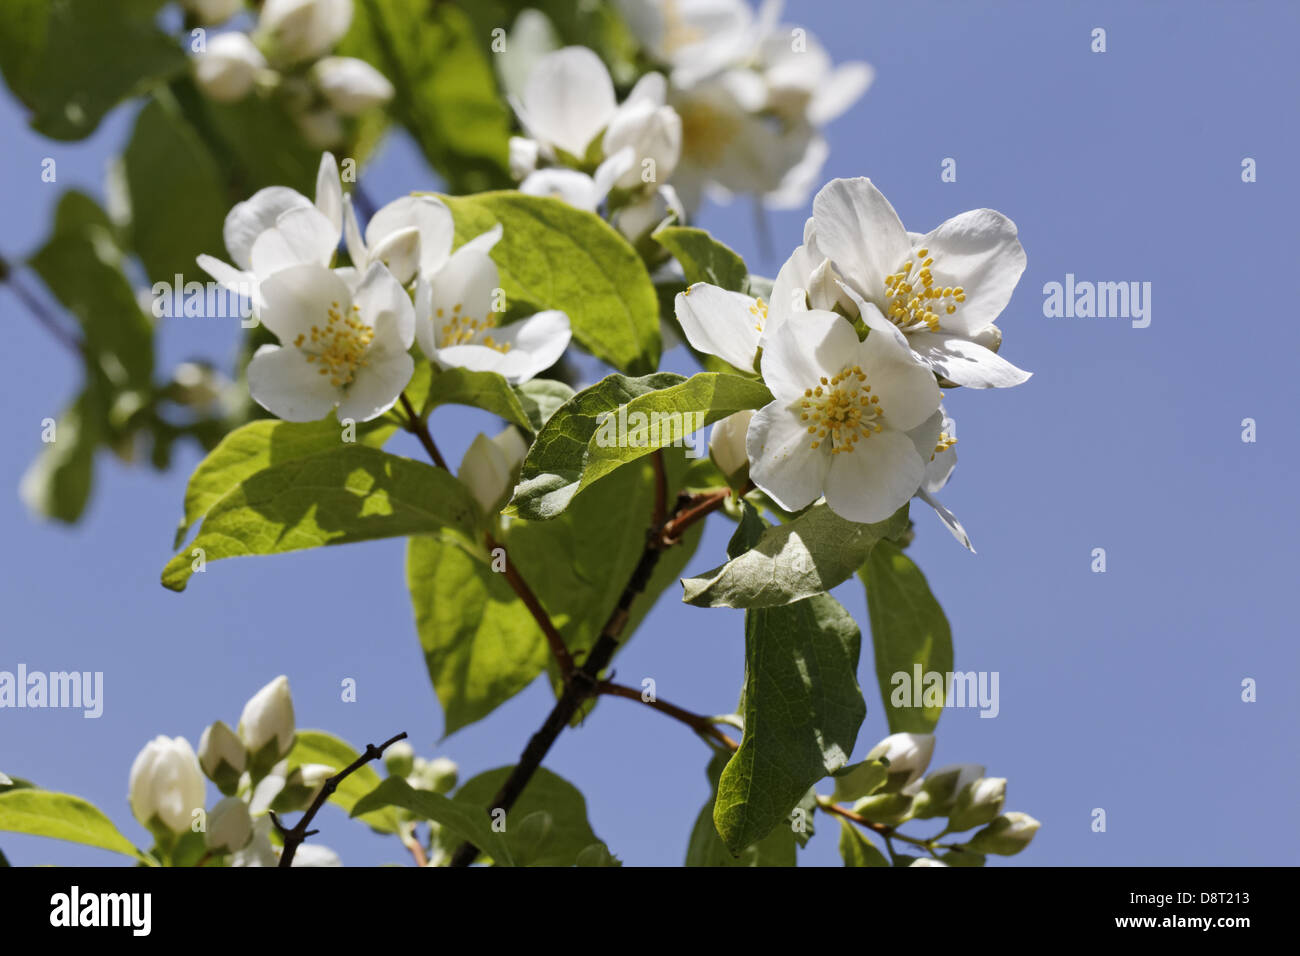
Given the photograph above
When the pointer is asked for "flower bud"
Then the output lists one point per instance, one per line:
(523, 157)
(196, 385)
(439, 775)
(926, 861)
(1007, 835)
(977, 803)
(941, 787)
(228, 68)
(400, 252)
(298, 30)
(208, 12)
(399, 758)
(654, 133)
(488, 468)
(230, 828)
(266, 725)
(908, 756)
(887, 808)
(313, 854)
(350, 85)
(166, 784)
(222, 756)
(727, 447)
(300, 787)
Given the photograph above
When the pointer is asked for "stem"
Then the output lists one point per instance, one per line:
(417, 427)
(39, 312)
(699, 723)
(294, 837)
(885, 831)
(563, 659)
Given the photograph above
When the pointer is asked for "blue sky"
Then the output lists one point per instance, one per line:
(1119, 691)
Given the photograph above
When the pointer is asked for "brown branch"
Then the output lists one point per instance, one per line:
(417, 427)
(294, 837)
(700, 724)
(563, 659)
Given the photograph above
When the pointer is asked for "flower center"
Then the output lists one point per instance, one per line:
(678, 32)
(340, 345)
(912, 298)
(463, 329)
(707, 132)
(841, 409)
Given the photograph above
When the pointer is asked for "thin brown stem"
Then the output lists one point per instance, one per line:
(563, 659)
(417, 427)
(293, 837)
(39, 312)
(699, 723)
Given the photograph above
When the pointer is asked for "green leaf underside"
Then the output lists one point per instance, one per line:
(62, 817)
(703, 258)
(486, 390)
(908, 628)
(260, 445)
(456, 819)
(569, 835)
(350, 494)
(552, 256)
(778, 848)
(316, 746)
(856, 849)
(792, 561)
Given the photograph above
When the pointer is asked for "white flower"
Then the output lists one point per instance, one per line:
(219, 744)
(908, 754)
(268, 716)
(944, 784)
(439, 775)
(278, 227)
(523, 156)
(650, 128)
(230, 828)
(644, 216)
(531, 37)
(938, 294)
(940, 461)
(209, 12)
(227, 69)
(803, 83)
(839, 425)
(697, 38)
(489, 466)
(399, 759)
(727, 445)
(259, 851)
(412, 235)
(1007, 835)
(313, 854)
(575, 188)
(337, 346)
(166, 783)
(350, 85)
(457, 326)
(300, 30)
(568, 100)
(926, 861)
(978, 803)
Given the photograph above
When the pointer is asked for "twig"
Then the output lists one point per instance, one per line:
(293, 837)
(563, 659)
(38, 311)
(700, 724)
(416, 426)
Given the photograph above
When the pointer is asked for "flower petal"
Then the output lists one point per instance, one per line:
(859, 231)
(569, 99)
(252, 217)
(378, 295)
(906, 388)
(283, 382)
(721, 323)
(329, 191)
(782, 461)
(949, 520)
(981, 252)
(425, 213)
(839, 91)
(376, 387)
(536, 344)
(797, 354)
(303, 235)
(875, 479)
(299, 297)
(964, 362)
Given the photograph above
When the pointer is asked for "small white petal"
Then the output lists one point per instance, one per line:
(283, 382)
(721, 323)
(783, 462)
(875, 479)
(964, 362)
(569, 99)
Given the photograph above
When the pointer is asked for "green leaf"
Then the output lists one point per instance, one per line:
(856, 849)
(569, 833)
(260, 445)
(778, 848)
(57, 484)
(703, 258)
(552, 470)
(316, 746)
(666, 416)
(802, 709)
(351, 494)
(480, 643)
(456, 819)
(178, 198)
(540, 398)
(71, 61)
(908, 631)
(446, 93)
(860, 780)
(792, 561)
(552, 256)
(486, 390)
(63, 817)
